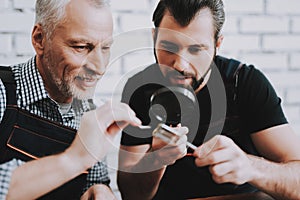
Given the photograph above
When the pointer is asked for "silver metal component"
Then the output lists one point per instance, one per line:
(190, 145)
(169, 135)
(144, 127)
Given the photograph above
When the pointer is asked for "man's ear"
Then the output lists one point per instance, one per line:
(219, 41)
(153, 33)
(38, 39)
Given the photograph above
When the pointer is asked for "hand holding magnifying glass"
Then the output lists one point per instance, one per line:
(169, 105)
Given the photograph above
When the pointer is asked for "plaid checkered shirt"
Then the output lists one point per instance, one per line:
(32, 96)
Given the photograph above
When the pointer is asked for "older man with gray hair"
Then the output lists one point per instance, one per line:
(51, 132)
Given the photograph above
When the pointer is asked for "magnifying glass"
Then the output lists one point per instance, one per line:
(170, 106)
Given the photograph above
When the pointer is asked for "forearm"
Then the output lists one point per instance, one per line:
(38, 177)
(280, 180)
(141, 180)
(139, 185)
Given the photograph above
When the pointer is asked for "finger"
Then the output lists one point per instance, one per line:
(221, 169)
(107, 115)
(124, 113)
(216, 157)
(182, 130)
(216, 143)
(116, 128)
(181, 141)
(231, 177)
(170, 155)
(85, 196)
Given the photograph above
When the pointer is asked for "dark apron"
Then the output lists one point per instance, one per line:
(26, 136)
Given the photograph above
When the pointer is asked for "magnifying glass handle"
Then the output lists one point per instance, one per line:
(190, 145)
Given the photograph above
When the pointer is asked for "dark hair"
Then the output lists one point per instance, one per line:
(184, 11)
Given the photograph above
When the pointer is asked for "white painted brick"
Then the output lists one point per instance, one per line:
(112, 157)
(296, 127)
(293, 95)
(264, 24)
(275, 82)
(230, 25)
(296, 25)
(6, 43)
(267, 61)
(229, 54)
(243, 6)
(292, 113)
(24, 4)
(116, 23)
(281, 42)
(131, 22)
(283, 7)
(113, 178)
(137, 61)
(11, 60)
(23, 45)
(280, 92)
(130, 5)
(16, 22)
(109, 85)
(113, 67)
(151, 8)
(127, 42)
(285, 79)
(4, 4)
(295, 61)
(240, 42)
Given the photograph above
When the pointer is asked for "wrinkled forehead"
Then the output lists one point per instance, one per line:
(86, 21)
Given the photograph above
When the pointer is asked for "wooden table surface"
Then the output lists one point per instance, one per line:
(250, 196)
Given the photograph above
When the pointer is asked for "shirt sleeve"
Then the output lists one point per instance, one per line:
(259, 103)
(2, 100)
(6, 170)
(98, 174)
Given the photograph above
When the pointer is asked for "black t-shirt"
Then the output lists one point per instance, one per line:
(235, 106)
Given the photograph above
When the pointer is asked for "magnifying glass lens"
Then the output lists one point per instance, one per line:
(172, 105)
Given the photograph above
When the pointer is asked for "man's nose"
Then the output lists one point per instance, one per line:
(180, 63)
(96, 61)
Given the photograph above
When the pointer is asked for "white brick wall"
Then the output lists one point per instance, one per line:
(130, 5)
(241, 43)
(244, 6)
(267, 61)
(23, 45)
(264, 24)
(281, 42)
(4, 4)
(16, 22)
(279, 7)
(24, 4)
(130, 22)
(261, 32)
(6, 43)
(295, 25)
(295, 61)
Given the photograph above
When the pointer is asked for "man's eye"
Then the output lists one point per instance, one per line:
(170, 48)
(106, 48)
(195, 50)
(81, 48)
